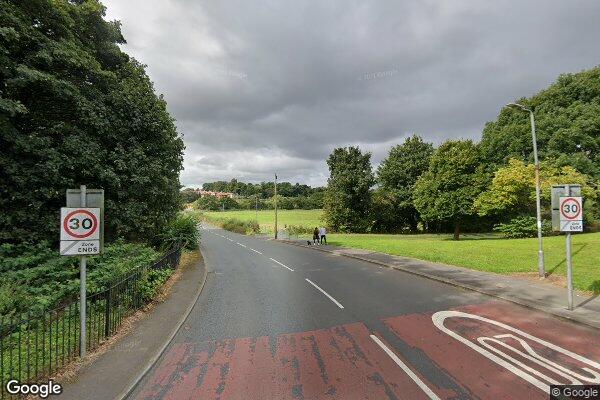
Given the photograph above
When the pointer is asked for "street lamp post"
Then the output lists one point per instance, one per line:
(541, 268)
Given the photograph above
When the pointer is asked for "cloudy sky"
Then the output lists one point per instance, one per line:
(264, 86)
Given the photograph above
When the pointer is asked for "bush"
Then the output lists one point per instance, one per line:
(36, 278)
(183, 230)
(151, 281)
(523, 227)
(238, 226)
(297, 230)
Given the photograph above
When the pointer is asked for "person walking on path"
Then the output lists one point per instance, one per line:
(323, 234)
(316, 236)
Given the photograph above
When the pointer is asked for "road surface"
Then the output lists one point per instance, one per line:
(276, 321)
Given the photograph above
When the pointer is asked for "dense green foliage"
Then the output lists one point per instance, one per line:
(512, 190)
(35, 278)
(74, 109)
(396, 175)
(348, 196)
(212, 203)
(240, 226)
(181, 231)
(568, 126)
(523, 227)
(447, 190)
(264, 189)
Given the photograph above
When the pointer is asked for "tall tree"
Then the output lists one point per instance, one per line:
(447, 190)
(75, 109)
(348, 194)
(568, 126)
(397, 175)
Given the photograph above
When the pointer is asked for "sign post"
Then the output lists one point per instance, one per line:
(570, 219)
(82, 291)
(81, 234)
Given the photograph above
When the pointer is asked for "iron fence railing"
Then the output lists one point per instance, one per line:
(33, 347)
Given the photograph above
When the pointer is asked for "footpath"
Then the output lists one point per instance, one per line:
(540, 296)
(112, 374)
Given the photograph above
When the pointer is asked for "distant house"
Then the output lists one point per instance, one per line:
(218, 195)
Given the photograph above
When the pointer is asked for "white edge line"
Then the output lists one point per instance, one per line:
(283, 265)
(256, 251)
(337, 303)
(405, 368)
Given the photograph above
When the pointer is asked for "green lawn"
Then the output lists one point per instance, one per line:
(490, 253)
(266, 218)
(485, 252)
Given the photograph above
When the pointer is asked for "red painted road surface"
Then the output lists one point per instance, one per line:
(343, 362)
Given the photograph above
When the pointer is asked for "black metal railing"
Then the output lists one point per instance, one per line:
(33, 347)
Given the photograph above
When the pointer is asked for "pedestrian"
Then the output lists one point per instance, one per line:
(323, 234)
(316, 235)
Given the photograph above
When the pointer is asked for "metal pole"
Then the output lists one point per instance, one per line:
(541, 267)
(275, 206)
(256, 206)
(569, 261)
(82, 294)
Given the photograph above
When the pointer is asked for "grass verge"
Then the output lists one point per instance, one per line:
(490, 253)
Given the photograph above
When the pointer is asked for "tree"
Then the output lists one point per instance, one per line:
(446, 191)
(189, 195)
(567, 124)
(512, 190)
(348, 195)
(75, 109)
(397, 175)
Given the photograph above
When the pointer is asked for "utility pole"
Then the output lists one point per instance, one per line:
(256, 206)
(541, 267)
(275, 206)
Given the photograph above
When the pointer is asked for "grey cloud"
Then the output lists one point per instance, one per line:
(282, 83)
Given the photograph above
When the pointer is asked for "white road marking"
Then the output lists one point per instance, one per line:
(231, 240)
(243, 245)
(337, 303)
(283, 265)
(438, 320)
(405, 368)
(256, 251)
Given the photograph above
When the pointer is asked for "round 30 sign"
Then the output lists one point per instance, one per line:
(570, 208)
(80, 224)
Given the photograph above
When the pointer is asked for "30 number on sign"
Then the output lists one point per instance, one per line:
(80, 223)
(571, 217)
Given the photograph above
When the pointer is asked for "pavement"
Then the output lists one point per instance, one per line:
(114, 373)
(541, 296)
(275, 321)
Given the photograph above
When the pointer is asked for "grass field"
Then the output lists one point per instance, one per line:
(485, 252)
(266, 218)
(491, 253)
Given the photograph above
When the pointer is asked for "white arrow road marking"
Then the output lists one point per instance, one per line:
(283, 265)
(405, 368)
(337, 303)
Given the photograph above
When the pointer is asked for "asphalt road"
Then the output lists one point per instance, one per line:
(276, 321)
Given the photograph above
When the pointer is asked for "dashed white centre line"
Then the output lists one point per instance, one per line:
(283, 265)
(405, 368)
(243, 245)
(337, 303)
(256, 251)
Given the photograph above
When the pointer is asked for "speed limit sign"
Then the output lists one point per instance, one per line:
(79, 231)
(571, 214)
